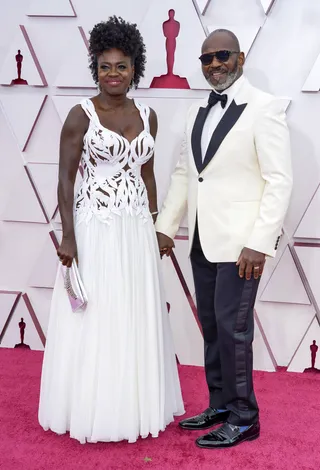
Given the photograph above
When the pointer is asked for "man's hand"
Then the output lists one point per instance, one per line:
(165, 244)
(251, 261)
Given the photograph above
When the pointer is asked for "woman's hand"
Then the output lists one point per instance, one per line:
(67, 251)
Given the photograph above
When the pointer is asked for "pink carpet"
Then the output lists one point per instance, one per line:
(290, 420)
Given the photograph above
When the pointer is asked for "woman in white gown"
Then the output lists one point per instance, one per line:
(109, 372)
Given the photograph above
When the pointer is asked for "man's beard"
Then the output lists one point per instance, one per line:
(231, 78)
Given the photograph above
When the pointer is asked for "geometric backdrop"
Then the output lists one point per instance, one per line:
(282, 43)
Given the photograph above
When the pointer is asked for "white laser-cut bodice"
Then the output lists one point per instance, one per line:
(112, 181)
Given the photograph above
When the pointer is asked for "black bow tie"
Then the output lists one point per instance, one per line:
(215, 97)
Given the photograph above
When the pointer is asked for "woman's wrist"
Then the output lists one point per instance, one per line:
(70, 236)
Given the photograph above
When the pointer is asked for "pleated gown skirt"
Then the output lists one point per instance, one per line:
(109, 373)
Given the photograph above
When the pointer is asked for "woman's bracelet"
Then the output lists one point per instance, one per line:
(154, 213)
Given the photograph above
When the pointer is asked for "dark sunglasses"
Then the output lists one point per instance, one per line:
(221, 56)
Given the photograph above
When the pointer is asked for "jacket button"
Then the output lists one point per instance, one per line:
(200, 179)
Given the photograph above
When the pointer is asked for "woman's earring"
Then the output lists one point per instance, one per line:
(130, 86)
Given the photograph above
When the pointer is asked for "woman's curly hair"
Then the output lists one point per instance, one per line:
(117, 34)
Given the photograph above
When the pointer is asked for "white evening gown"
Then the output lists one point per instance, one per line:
(109, 373)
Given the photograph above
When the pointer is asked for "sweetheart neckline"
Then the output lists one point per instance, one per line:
(123, 137)
(117, 133)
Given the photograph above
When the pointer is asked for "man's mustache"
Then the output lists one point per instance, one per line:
(217, 70)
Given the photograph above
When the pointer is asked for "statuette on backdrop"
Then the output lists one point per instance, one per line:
(313, 349)
(19, 80)
(171, 30)
(22, 327)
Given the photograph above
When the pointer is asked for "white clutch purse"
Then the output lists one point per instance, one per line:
(74, 287)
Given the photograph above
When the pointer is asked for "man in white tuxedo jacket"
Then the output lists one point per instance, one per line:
(234, 175)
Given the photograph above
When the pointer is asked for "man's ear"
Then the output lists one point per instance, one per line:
(241, 59)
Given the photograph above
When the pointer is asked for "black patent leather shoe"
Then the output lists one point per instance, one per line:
(210, 417)
(228, 435)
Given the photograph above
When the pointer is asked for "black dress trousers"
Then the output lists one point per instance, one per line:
(225, 305)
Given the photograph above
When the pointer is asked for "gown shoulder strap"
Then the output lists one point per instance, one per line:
(145, 114)
(88, 107)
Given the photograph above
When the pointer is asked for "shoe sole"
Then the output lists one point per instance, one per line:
(251, 438)
(203, 427)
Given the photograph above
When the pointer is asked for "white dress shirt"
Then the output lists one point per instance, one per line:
(216, 113)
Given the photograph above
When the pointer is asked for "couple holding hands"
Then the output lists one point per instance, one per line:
(110, 373)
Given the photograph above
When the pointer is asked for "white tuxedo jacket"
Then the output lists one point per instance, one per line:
(240, 193)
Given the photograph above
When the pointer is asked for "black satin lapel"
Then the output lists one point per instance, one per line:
(227, 122)
(196, 137)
